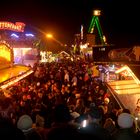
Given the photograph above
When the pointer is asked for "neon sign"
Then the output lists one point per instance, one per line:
(18, 26)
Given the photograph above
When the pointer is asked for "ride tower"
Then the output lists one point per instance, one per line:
(95, 29)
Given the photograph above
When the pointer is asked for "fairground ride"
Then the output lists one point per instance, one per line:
(95, 23)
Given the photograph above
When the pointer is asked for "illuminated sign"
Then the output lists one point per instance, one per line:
(18, 26)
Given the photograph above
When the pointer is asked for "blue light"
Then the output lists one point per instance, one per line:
(29, 35)
(14, 35)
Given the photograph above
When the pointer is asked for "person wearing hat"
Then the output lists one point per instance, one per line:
(126, 129)
(25, 123)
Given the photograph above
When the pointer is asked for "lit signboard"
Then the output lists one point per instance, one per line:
(18, 26)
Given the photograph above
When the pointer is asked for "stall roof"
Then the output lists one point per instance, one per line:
(136, 70)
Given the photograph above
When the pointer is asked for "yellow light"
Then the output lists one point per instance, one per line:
(18, 78)
(49, 35)
(97, 12)
(125, 87)
(121, 69)
(5, 52)
(104, 38)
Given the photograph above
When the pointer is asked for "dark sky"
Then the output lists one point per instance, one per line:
(119, 20)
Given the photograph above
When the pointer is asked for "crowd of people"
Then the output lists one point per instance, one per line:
(63, 101)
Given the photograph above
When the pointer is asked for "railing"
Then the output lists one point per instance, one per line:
(15, 79)
(115, 97)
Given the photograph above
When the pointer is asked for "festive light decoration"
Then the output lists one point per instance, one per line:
(29, 35)
(43, 56)
(14, 35)
(18, 26)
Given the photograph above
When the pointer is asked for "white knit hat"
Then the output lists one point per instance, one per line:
(74, 115)
(25, 122)
(125, 120)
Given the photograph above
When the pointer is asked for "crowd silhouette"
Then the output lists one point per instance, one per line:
(63, 100)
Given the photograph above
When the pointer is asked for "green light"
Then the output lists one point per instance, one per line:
(95, 22)
(92, 24)
(99, 30)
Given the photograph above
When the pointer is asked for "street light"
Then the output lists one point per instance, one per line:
(49, 36)
(52, 37)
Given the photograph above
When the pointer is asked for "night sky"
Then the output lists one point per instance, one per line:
(120, 20)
